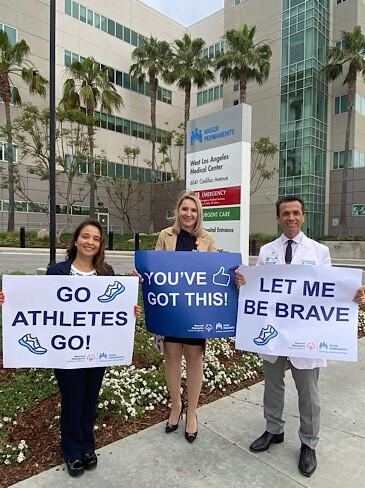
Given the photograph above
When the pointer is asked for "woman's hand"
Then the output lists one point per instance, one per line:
(2, 298)
(360, 295)
(240, 279)
(138, 311)
(135, 273)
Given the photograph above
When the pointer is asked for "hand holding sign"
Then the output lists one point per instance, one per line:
(221, 278)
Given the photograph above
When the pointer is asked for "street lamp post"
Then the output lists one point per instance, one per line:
(52, 133)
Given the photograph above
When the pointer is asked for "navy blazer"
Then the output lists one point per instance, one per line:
(64, 268)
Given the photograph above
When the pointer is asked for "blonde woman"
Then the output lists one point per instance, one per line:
(186, 234)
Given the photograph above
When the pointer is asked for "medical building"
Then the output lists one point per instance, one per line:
(296, 108)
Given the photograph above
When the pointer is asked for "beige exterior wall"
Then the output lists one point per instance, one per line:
(31, 18)
(265, 100)
(345, 17)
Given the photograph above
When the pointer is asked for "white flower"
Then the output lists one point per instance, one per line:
(20, 457)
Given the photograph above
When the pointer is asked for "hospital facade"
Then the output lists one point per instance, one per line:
(296, 108)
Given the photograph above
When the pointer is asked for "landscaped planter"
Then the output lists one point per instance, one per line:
(346, 249)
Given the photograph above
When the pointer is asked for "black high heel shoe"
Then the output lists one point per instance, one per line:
(172, 427)
(191, 436)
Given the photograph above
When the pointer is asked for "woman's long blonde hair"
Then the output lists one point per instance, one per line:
(198, 228)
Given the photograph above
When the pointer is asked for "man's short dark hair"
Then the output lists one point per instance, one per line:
(288, 198)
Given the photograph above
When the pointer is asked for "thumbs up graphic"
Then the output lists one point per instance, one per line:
(221, 278)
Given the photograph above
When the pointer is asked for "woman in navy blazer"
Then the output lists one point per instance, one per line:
(80, 387)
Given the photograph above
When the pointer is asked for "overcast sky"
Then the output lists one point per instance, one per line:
(186, 12)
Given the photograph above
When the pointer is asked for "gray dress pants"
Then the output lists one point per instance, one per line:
(306, 382)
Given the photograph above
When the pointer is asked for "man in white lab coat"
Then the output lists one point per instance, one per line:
(292, 247)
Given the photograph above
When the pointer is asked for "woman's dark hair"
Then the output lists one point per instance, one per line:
(101, 267)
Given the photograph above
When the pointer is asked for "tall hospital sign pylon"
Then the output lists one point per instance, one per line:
(218, 169)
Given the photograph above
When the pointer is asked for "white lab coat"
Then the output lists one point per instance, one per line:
(308, 252)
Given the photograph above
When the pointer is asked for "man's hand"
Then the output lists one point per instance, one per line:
(360, 295)
(240, 279)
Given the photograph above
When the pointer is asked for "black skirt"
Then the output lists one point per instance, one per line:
(188, 341)
(185, 242)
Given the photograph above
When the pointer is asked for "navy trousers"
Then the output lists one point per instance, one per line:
(79, 390)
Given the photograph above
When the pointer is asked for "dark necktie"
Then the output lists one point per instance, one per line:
(288, 252)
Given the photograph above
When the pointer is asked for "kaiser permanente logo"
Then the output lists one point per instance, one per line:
(209, 134)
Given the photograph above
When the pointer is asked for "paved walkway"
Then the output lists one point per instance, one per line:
(220, 456)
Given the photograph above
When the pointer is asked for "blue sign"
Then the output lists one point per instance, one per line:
(189, 294)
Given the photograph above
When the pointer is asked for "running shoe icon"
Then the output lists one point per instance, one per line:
(267, 333)
(111, 292)
(32, 344)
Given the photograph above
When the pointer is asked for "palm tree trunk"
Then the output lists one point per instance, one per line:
(11, 212)
(350, 109)
(153, 83)
(186, 120)
(243, 88)
(90, 132)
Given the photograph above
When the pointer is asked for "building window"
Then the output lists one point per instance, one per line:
(124, 80)
(339, 158)
(103, 23)
(235, 102)
(119, 31)
(68, 8)
(90, 17)
(75, 10)
(134, 38)
(359, 159)
(340, 1)
(210, 95)
(211, 51)
(35, 207)
(111, 27)
(80, 210)
(4, 152)
(360, 104)
(11, 32)
(341, 104)
(117, 124)
(83, 14)
(237, 2)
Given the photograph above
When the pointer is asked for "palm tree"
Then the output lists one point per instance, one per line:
(151, 60)
(244, 60)
(352, 53)
(88, 85)
(189, 69)
(14, 62)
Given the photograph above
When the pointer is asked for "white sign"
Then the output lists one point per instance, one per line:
(68, 321)
(299, 311)
(218, 165)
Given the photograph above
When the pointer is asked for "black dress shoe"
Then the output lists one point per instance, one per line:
(191, 436)
(307, 461)
(75, 468)
(172, 427)
(90, 461)
(263, 442)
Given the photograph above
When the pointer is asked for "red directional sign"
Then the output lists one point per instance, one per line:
(220, 196)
